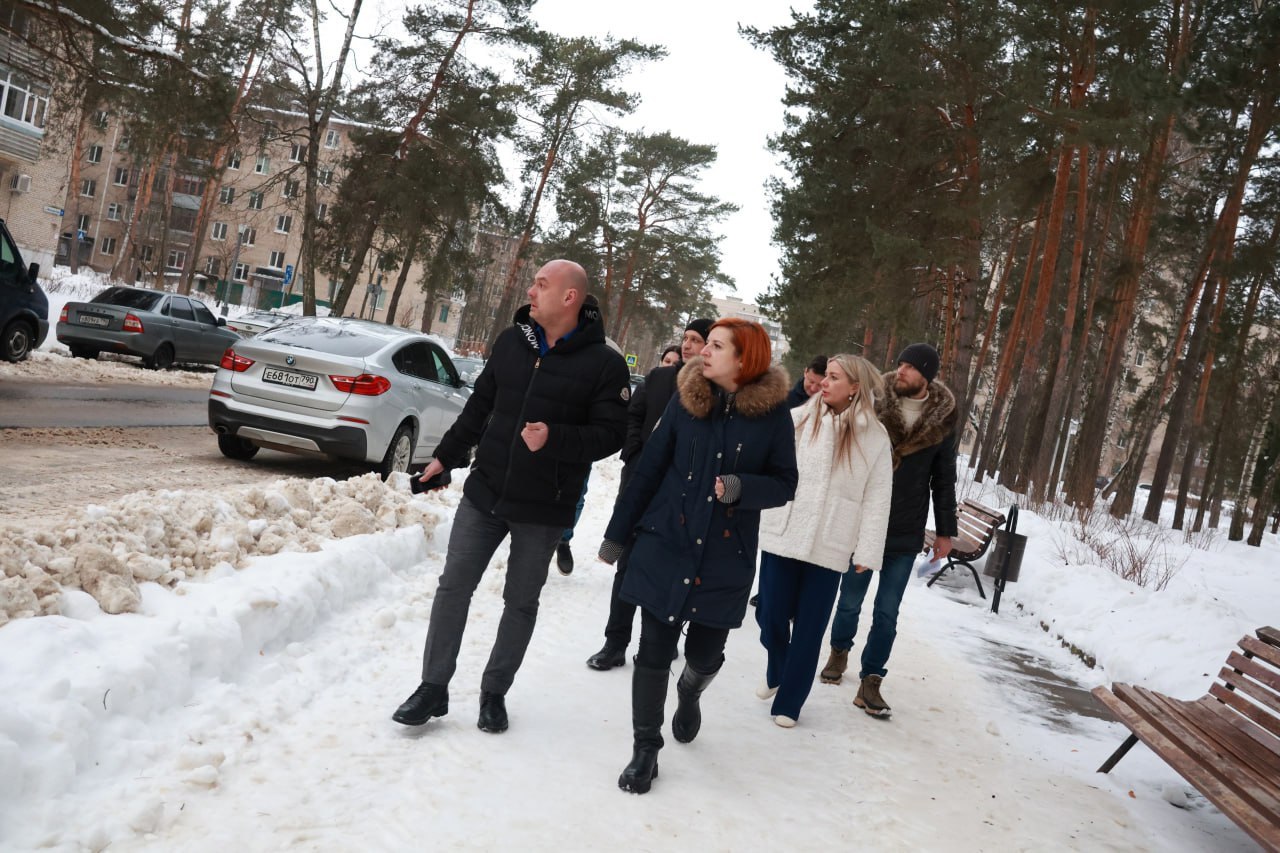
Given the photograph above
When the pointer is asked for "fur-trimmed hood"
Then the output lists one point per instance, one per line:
(936, 422)
(699, 395)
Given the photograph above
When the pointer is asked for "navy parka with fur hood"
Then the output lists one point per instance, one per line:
(693, 557)
(579, 389)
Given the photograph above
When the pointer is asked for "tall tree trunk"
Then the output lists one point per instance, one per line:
(378, 206)
(1003, 379)
(1012, 463)
(410, 250)
(1260, 125)
(1042, 489)
(1093, 428)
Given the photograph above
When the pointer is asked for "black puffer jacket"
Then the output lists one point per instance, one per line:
(648, 404)
(579, 389)
(924, 465)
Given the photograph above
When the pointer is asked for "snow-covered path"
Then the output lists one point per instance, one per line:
(251, 709)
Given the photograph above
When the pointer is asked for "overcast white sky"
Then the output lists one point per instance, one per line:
(713, 88)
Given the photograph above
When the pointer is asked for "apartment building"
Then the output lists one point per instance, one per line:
(32, 148)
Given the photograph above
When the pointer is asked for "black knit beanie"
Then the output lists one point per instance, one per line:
(923, 358)
(702, 326)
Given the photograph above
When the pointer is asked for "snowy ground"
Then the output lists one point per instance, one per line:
(246, 702)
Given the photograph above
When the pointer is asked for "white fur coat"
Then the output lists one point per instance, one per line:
(838, 514)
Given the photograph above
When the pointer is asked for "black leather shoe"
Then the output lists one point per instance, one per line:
(564, 559)
(608, 657)
(493, 713)
(429, 700)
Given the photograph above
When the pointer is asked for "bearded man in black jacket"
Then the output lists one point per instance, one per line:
(552, 399)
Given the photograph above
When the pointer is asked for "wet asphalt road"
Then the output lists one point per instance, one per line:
(45, 405)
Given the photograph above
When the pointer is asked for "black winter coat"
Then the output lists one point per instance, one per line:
(924, 465)
(647, 405)
(579, 389)
(693, 558)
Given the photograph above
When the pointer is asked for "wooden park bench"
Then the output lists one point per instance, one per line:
(1226, 743)
(976, 526)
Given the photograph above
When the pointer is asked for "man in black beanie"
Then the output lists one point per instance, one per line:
(647, 405)
(919, 413)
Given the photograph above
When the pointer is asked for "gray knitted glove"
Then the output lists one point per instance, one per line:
(610, 551)
(732, 488)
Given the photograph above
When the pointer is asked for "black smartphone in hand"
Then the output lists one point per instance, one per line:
(438, 481)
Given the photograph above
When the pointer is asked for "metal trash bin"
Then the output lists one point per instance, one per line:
(1006, 548)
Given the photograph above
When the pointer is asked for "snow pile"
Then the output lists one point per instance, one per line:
(181, 535)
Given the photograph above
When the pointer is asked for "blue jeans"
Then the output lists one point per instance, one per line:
(894, 574)
(793, 590)
(476, 536)
(577, 513)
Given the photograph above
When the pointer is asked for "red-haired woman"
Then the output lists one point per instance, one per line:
(723, 451)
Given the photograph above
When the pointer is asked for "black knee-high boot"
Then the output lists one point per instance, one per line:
(648, 698)
(687, 719)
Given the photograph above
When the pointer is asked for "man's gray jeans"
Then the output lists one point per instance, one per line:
(475, 537)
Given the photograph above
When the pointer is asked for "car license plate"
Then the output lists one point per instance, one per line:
(93, 320)
(290, 378)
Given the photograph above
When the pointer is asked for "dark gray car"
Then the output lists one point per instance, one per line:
(162, 328)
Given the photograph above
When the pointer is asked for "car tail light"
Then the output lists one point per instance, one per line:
(62, 318)
(366, 384)
(132, 323)
(233, 362)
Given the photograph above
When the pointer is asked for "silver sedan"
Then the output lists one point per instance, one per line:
(345, 388)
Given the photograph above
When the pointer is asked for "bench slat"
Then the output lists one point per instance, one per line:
(1262, 649)
(1196, 748)
(1269, 635)
(1267, 747)
(1266, 698)
(1261, 827)
(1256, 773)
(1245, 708)
(1252, 668)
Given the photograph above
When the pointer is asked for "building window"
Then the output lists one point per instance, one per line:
(122, 176)
(331, 138)
(95, 154)
(100, 119)
(23, 100)
(277, 260)
(212, 265)
(177, 260)
(107, 246)
(263, 165)
(88, 188)
(298, 153)
(290, 189)
(233, 162)
(283, 223)
(324, 177)
(241, 272)
(322, 210)
(255, 201)
(219, 231)
(82, 222)
(444, 313)
(147, 254)
(189, 185)
(1142, 356)
(226, 195)
(248, 236)
(114, 211)
(124, 142)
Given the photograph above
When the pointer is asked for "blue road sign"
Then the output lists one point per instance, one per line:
(288, 273)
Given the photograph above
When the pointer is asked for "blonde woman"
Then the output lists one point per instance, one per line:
(836, 521)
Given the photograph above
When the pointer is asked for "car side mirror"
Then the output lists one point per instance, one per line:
(459, 382)
(222, 321)
(33, 272)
